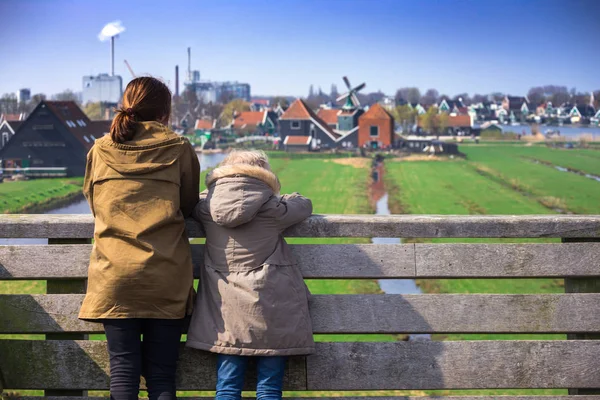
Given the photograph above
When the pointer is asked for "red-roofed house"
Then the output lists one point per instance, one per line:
(300, 120)
(456, 124)
(330, 116)
(297, 143)
(259, 104)
(254, 122)
(8, 130)
(12, 117)
(376, 128)
(205, 124)
(56, 134)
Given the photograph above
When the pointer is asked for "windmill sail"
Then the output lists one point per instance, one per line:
(350, 96)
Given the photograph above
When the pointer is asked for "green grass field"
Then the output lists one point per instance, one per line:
(559, 191)
(25, 196)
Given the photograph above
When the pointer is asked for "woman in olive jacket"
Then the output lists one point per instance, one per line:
(141, 182)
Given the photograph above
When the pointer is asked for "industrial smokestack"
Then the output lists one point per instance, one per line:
(110, 31)
(177, 81)
(189, 71)
(112, 56)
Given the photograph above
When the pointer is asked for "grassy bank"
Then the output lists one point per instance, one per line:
(37, 195)
(516, 168)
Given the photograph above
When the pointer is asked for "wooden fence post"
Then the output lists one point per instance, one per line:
(66, 286)
(582, 285)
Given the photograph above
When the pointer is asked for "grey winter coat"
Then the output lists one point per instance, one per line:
(252, 299)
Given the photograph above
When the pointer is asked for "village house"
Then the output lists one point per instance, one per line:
(457, 125)
(279, 110)
(388, 102)
(348, 119)
(427, 145)
(451, 106)
(254, 123)
(186, 121)
(516, 107)
(294, 144)
(460, 125)
(376, 128)
(57, 134)
(8, 128)
(330, 116)
(580, 113)
(260, 104)
(205, 125)
(420, 108)
(490, 128)
(299, 120)
(13, 117)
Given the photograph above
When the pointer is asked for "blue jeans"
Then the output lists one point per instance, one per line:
(231, 371)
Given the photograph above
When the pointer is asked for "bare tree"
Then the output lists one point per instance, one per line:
(334, 94)
(408, 94)
(67, 95)
(431, 96)
(9, 104)
(464, 98)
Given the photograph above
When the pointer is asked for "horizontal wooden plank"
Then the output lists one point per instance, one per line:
(316, 261)
(365, 261)
(546, 313)
(84, 364)
(335, 366)
(591, 397)
(507, 260)
(454, 365)
(403, 226)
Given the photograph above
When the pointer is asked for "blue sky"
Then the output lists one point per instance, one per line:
(281, 47)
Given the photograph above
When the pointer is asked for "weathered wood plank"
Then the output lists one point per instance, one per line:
(507, 260)
(365, 261)
(335, 366)
(85, 365)
(405, 226)
(64, 286)
(546, 313)
(584, 285)
(316, 261)
(454, 365)
(361, 398)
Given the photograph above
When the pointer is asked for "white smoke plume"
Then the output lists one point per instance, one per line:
(111, 29)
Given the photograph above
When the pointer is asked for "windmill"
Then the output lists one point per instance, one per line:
(350, 96)
(111, 31)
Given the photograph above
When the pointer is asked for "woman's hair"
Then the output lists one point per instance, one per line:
(256, 158)
(145, 99)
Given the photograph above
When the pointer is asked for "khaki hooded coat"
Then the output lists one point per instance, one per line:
(140, 192)
(252, 299)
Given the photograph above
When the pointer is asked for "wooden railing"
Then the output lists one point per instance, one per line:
(67, 364)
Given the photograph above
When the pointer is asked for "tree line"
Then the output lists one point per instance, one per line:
(412, 95)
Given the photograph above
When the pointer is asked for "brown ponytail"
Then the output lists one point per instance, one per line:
(145, 99)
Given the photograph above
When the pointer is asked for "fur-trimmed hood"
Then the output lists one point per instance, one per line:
(237, 192)
(250, 171)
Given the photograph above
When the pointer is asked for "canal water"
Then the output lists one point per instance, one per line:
(390, 286)
(80, 205)
(571, 132)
